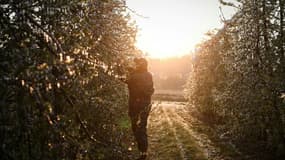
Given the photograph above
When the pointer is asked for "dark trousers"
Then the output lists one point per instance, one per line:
(139, 124)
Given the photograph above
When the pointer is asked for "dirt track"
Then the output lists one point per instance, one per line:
(172, 137)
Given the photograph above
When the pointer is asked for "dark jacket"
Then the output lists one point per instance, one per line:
(140, 86)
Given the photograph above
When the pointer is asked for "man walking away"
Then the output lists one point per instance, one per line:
(140, 87)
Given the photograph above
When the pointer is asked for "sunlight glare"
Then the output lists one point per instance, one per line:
(170, 28)
(162, 45)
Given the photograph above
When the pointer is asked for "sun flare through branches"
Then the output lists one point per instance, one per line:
(171, 28)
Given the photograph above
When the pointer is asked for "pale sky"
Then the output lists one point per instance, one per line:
(174, 27)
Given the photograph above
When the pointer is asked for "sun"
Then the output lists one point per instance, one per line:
(170, 29)
(161, 45)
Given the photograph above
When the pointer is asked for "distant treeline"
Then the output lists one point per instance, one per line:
(238, 78)
(171, 73)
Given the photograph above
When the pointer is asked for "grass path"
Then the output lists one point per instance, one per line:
(172, 137)
(178, 142)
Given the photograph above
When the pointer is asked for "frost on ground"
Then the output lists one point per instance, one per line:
(172, 137)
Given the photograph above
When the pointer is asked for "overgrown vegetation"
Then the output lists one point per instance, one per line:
(238, 78)
(59, 64)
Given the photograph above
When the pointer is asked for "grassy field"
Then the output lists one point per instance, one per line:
(175, 134)
(168, 138)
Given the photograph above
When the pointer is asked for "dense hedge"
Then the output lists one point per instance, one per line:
(59, 64)
(238, 77)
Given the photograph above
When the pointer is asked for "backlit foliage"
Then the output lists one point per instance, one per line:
(238, 78)
(59, 64)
